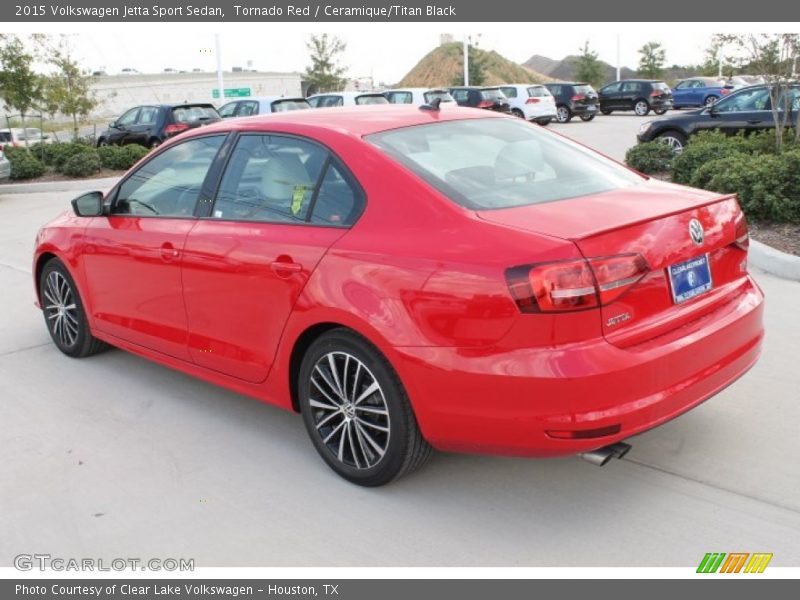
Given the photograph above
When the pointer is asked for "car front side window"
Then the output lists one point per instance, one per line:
(169, 184)
(228, 110)
(129, 118)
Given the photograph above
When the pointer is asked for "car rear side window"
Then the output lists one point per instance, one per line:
(492, 94)
(499, 163)
(538, 91)
(199, 112)
(147, 115)
(289, 104)
(168, 185)
(328, 101)
(399, 97)
(437, 94)
(339, 200)
(509, 92)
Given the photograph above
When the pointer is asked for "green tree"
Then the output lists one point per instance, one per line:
(588, 68)
(476, 68)
(325, 74)
(20, 86)
(67, 90)
(651, 61)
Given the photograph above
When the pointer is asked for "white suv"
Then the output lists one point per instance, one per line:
(530, 101)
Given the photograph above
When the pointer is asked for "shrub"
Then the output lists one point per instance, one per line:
(58, 153)
(768, 185)
(24, 165)
(82, 164)
(702, 149)
(121, 158)
(650, 157)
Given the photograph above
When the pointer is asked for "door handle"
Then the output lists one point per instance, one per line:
(169, 252)
(285, 266)
(754, 121)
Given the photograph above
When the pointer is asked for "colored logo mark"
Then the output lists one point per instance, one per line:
(735, 562)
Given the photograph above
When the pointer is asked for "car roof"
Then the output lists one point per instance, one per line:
(265, 98)
(416, 89)
(347, 94)
(355, 121)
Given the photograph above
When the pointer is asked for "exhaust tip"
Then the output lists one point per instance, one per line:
(601, 456)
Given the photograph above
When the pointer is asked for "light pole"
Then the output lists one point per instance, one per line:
(618, 60)
(466, 60)
(220, 83)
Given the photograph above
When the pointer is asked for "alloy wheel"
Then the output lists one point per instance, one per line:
(641, 108)
(562, 114)
(710, 101)
(673, 142)
(61, 309)
(349, 410)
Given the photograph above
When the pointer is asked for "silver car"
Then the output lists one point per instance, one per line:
(5, 167)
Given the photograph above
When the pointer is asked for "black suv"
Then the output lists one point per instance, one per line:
(573, 99)
(639, 95)
(152, 124)
(747, 109)
(476, 97)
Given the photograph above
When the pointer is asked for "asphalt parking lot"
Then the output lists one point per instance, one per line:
(114, 456)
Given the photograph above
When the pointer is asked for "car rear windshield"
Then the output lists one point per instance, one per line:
(584, 89)
(441, 95)
(194, 112)
(538, 91)
(289, 104)
(500, 163)
(660, 85)
(372, 99)
(493, 94)
(5, 136)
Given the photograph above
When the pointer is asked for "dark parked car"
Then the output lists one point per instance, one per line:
(639, 95)
(476, 97)
(748, 109)
(573, 99)
(151, 125)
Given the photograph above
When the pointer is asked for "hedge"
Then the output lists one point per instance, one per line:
(82, 164)
(24, 164)
(650, 157)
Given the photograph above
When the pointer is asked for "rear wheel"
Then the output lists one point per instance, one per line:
(710, 101)
(606, 111)
(64, 313)
(660, 111)
(102, 142)
(356, 411)
(641, 108)
(674, 139)
(563, 114)
(517, 113)
(153, 143)
(587, 117)
(544, 122)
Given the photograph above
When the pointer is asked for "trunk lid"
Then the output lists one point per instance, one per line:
(651, 220)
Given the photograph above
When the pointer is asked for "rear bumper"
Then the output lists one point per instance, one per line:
(581, 109)
(506, 402)
(534, 112)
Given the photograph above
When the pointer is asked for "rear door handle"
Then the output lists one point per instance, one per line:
(286, 266)
(754, 121)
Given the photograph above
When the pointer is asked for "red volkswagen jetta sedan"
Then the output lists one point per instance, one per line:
(412, 278)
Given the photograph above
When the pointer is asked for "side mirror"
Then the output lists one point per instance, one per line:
(88, 205)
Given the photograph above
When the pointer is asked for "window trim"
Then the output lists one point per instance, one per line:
(111, 199)
(332, 159)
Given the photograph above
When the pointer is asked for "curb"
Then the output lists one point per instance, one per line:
(774, 261)
(58, 186)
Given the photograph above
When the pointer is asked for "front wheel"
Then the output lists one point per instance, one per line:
(64, 314)
(587, 117)
(641, 108)
(356, 411)
(563, 114)
(674, 139)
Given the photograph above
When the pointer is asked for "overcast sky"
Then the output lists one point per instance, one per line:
(386, 51)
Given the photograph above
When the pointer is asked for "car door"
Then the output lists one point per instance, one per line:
(747, 110)
(628, 94)
(143, 129)
(682, 93)
(282, 202)
(609, 96)
(228, 111)
(118, 134)
(132, 258)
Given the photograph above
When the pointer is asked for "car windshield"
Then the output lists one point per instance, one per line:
(500, 163)
(290, 104)
(493, 94)
(441, 95)
(200, 112)
(372, 99)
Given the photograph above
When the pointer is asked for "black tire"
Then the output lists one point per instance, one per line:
(544, 122)
(587, 117)
(710, 100)
(660, 111)
(70, 331)
(102, 142)
(153, 143)
(563, 113)
(517, 113)
(606, 111)
(326, 410)
(674, 139)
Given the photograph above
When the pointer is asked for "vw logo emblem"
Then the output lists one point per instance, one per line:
(696, 232)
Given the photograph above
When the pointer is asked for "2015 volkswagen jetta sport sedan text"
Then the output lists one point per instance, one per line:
(412, 278)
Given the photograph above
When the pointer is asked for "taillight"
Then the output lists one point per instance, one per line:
(725, 91)
(532, 101)
(655, 94)
(578, 98)
(485, 104)
(742, 235)
(175, 128)
(574, 284)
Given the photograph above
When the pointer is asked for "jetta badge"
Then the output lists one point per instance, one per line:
(696, 232)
